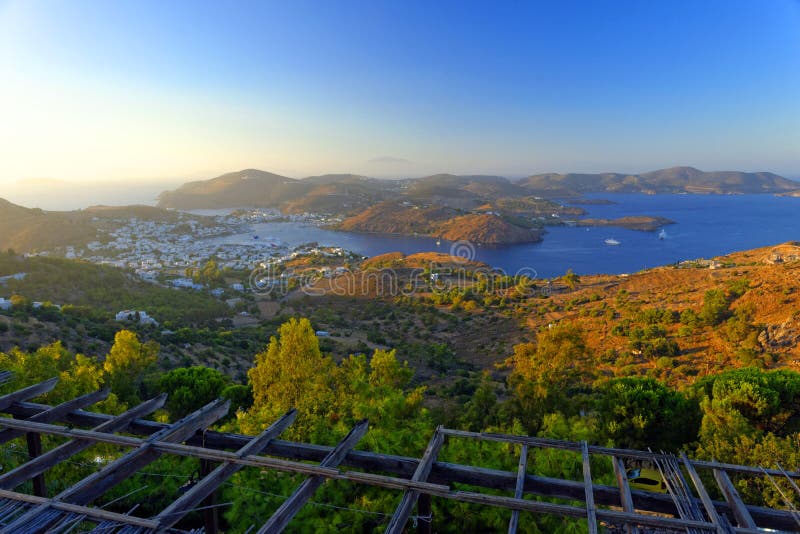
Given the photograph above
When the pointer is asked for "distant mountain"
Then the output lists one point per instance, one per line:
(672, 180)
(249, 187)
(345, 193)
(325, 179)
(485, 209)
(463, 192)
(340, 194)
(32, 229)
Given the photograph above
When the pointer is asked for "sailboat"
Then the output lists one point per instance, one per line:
(662, 234)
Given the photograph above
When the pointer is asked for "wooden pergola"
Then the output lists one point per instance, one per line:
(685, 508)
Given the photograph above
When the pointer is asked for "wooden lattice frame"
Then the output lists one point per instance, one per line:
(420, 479)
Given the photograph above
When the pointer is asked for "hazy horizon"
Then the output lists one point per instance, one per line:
(128, 92)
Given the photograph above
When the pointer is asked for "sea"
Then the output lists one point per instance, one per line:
(705, 226)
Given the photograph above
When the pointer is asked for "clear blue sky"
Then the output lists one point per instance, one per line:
(148, 90)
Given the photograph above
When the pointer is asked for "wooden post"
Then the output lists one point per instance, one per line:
(708, 504)
(522, 468)
(210, 517)
(591, 512)
(34, 451)
(624, 492)
(740, 512)
(400, 517)
(424, 521)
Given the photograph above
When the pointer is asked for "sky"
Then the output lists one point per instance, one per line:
(154, 92)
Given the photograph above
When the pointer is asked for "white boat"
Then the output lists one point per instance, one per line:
(611, 241)
(438, 242)
(662, 234)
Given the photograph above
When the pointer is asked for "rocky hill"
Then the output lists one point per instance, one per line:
(488, 229)
(438, 221)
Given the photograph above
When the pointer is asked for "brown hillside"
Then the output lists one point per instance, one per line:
(396, 218)
(489, 229)
(32, 230)
(437, 221)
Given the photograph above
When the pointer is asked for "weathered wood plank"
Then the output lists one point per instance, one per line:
(27, 393)
(591, 513)
(17, 476)
(189, 500)
(743, 517)
(57, 412)
(626, 499)
(519, 490)
(286, 511)
(400, 516)
(705, 498)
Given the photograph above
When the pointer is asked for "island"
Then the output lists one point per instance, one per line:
(636, 222)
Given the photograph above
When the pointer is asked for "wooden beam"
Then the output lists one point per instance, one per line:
(591, 513)
(29, 392)
(705, 498)
(286, 511)
(626, 499)
(400, 517)
(743, 517)
(519, 490)
(91, 487)
(17, 476)
(57, 412)
(189, 500)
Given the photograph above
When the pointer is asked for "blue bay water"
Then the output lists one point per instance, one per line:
(706, 226)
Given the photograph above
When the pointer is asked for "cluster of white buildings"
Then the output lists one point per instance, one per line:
(153, 247)
(136, 316)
